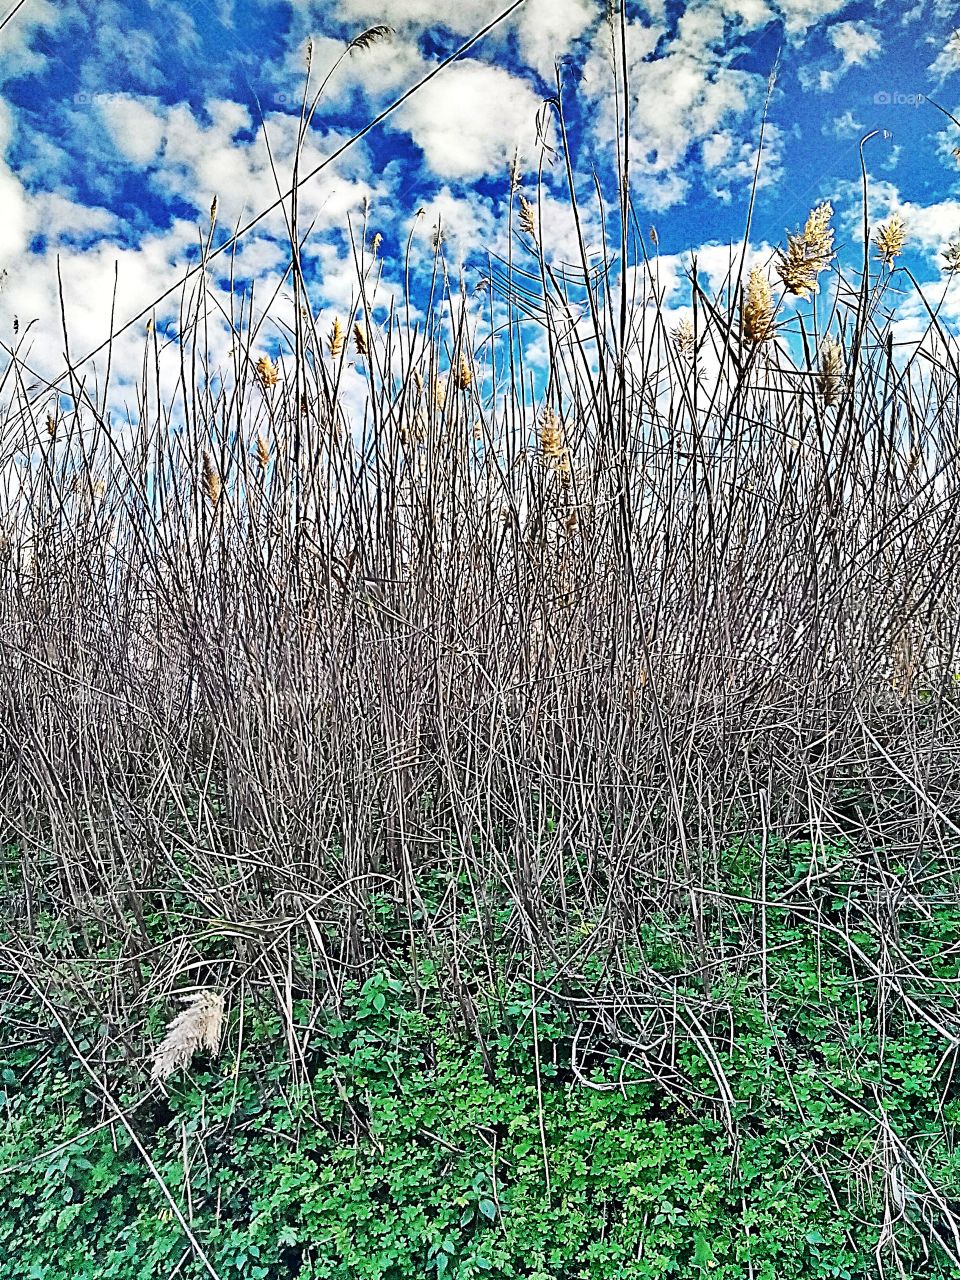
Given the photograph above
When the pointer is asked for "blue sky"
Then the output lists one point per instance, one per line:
(119, 122)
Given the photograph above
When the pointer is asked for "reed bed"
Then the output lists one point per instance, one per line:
(554, 637)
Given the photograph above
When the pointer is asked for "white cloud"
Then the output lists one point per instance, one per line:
(464, 17)
(17, 58)
(547, 29)
(856, 42)
(799, 15)
(947, 61)
(468, 120)
(134, 125)
(845, 126)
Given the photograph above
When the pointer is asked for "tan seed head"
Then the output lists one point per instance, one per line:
(808, 253)
(336, 339)
(890, 239)
(267, 372)
(757, 308)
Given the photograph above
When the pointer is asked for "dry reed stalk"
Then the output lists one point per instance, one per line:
(808, 253)
(198, 1026)
(757, 308)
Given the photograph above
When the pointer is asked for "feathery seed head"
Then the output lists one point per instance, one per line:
(528, 221)
(263, 451)
(51, 425)
(361, 339)
(211, 479)
(440, 392)
(552, 444)
(515, 171)
(213, 211)
(466, 374)
(372, 35)
(890, 239)
(683, 338)
(198, 1026)
(951, 258)
(757, 308)
(336, 338)
(267, 372)
(808, 253)
(376, 242)
(831, 371)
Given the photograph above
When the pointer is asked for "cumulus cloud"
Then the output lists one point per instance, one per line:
(856, 42)
(548, 28)
(134, 125)
(469, 120)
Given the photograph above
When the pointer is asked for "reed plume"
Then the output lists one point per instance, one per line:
(465, 378)
(211, 479)
(552, 444)
(683, 338)
(757, 308)
(528, 221)
(267, 372)
(336, 339)
(808, 253)
(360, 339)
(831, 371)
(890, 239)
(263, 451)
(515, 173)
(951, 258)
(198, 1026)
(372, 36)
